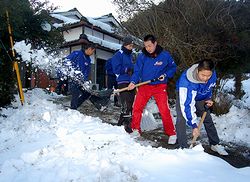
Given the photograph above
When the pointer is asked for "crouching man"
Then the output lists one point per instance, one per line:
(194, 90)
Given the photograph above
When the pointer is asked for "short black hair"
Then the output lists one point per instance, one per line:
(150, 37)
(206, 64)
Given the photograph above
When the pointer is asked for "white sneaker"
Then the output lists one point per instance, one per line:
(135, 134)
(219, 149)
(172, 139)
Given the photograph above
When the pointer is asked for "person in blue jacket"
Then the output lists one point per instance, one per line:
(153, 63)
(122, 66)
(111, 82)
(79, 70)
(194, 91)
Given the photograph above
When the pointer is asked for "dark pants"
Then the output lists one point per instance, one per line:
(127, 100)
(78, 95)
(181, 124)
(112, 83)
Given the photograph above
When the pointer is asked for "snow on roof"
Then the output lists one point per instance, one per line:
(104, 43)
(65, 19)
(100, 24)
(109, 18)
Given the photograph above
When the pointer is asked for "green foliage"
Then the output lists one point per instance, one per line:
(6, 78)
(25, 18)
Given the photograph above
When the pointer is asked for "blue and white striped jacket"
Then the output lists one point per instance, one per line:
(190, 92)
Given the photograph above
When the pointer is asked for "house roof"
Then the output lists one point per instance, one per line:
(106, 24)
(109, 19)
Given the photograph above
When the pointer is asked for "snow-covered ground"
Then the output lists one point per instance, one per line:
(235, 125)
(42, 141)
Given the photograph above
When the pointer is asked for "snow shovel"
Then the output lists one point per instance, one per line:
(136, 85)
(199, 126)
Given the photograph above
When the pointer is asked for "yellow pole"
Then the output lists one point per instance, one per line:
(15, 64)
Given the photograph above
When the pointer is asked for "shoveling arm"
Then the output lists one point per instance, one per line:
(137, 85)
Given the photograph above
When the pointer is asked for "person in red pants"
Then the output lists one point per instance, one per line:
(153, 62)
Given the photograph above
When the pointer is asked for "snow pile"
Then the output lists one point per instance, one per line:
(246, 97)
(228, 86)
(41, 141)
(234, 126)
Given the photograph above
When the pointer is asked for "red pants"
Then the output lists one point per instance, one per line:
(159, 92)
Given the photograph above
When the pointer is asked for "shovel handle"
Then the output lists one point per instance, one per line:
(199, 128)
(136, 85)
(126, 88)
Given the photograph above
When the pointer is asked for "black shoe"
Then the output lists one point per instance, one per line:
(128, 128)
(127, 123)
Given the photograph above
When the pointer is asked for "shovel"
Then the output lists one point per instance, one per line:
(199, 126)
(136, 85)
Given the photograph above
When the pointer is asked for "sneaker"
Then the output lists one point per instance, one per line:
(219, 149)
(135, 134)
(172, 139)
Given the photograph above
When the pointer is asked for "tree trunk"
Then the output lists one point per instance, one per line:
(238, 92)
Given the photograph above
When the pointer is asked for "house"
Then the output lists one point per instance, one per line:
(105, 31)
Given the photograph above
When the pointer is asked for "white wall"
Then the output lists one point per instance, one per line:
(100, 35)
(101, 54)
(92, 32)
(72, 34)
(88, 31)
(111, 39)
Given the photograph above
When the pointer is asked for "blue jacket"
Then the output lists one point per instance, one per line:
(189, 92)
(122, 65)
(80, 65)
(108, 67)
(149, 67)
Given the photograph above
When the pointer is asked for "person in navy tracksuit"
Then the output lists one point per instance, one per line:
(122, 66)
(153, 62)
(194, 91)
(80, 65)
(111, 82)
